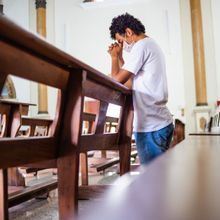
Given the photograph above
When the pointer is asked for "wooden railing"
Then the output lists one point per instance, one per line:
(24, 55)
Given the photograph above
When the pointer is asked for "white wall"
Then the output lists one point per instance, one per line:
(85, 35)
(18, 11)
(216, 30)
(209, 49)
(188, 65)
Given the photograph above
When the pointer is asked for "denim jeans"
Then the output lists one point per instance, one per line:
(152, 144)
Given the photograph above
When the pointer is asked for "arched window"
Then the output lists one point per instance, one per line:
(8, 89)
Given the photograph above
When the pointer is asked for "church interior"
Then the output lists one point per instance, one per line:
(67, 149)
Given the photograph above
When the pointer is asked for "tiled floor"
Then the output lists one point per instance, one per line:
(47, 209)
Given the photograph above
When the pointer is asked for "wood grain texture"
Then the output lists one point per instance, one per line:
(181, 184)
(3, 195)
(31, 67)
(98, 91)
(32, 58)
(99, 142)
(26, 150)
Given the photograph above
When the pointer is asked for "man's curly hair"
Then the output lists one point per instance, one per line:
(121, 22)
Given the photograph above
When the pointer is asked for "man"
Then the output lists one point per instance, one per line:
(145, 69)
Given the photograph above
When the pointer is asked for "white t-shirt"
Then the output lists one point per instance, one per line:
(146, 61)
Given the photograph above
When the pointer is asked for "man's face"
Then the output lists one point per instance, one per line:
(119, 38)
(125, 41)
(128, 37)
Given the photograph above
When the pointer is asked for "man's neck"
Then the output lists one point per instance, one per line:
(139, 37)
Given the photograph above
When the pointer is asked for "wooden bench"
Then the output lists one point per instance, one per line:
(14, 114)
(181, 184)
(25, 55)
(179, 132)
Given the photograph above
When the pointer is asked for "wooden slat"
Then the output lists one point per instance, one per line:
(4, 109)
(111, 119)
(15, 178)
(3, 195)
(30, 67)
(99, 142)
(31, 192)
(126, 127)
(91, 117)
(205, 134)
(41, 165)
(111, 162)
(54, 129)
(88, 116)
(93, 191)
(103, 93)
(14, 121)
(100, 118)
(21, 151)
(36, 121)
(15, 102)
(84, 169)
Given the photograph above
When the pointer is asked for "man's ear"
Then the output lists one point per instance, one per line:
(128, 32)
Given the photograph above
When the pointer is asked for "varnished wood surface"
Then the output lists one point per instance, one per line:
(26, 55)
(21, 151)
(31, 67)
(22, 195)
(15, 102)
(205, 134)
(99, 142)
(182, 184)
(3, 195)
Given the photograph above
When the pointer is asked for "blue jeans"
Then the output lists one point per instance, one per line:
(152, 144)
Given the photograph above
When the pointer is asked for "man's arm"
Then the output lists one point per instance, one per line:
(120, 75)
(115, 66)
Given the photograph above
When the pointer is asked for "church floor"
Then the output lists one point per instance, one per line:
(47, 209)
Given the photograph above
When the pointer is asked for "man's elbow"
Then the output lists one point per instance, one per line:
(119, 79)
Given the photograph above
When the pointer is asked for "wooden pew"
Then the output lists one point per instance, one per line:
(25, 55)
(90, 119)
(181, 184)
(14, 114)
(179, 132)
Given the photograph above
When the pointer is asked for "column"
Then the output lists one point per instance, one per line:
(198, 49)
(202, 110)
(41, 29)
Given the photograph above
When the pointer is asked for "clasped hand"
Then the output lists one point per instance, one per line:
(115, 50)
